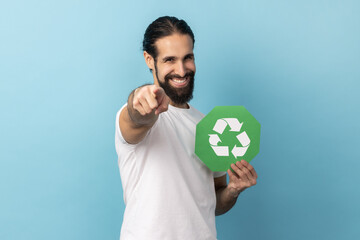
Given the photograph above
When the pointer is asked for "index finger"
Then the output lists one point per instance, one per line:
(158, 91)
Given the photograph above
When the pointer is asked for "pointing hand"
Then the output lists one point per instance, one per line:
(150, 99)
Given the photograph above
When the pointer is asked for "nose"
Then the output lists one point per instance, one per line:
(180, 69)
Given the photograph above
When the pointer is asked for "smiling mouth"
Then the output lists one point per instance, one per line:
(179, 82)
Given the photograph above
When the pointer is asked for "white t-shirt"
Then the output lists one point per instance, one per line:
(168, 192)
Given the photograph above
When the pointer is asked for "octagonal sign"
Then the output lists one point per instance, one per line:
(226, 135)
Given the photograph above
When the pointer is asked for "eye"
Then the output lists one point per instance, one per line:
(189, 57)
(169, 59)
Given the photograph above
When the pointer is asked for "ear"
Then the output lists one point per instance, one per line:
(149, 60)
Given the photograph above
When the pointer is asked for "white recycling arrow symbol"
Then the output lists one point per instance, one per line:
(235, 126)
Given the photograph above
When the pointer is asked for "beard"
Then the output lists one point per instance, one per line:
(177, 95)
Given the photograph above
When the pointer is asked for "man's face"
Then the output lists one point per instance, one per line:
(175, 67)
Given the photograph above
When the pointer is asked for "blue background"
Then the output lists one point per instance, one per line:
(67, 66)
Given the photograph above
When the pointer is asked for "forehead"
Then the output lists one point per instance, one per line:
(174, 45)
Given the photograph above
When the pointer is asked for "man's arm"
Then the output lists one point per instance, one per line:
(143, 108)
(244, 176)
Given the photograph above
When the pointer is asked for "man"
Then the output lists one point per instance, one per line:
(168, 192)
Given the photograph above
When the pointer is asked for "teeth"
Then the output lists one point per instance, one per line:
(179, 81)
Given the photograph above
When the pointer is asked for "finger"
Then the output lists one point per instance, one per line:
(163, 105)
(138, 107)
(161, 108)
(244, 170)
(253, 176)
(249, 167)
(232, 175)
(160, 94)
(145, 105)
(256, 176)
(239, 172)
(151, 101)
(158, 91)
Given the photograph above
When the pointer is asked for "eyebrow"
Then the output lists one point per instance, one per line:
(168, 58)
(173, 57)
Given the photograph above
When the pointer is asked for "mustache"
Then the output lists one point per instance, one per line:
(190, 74)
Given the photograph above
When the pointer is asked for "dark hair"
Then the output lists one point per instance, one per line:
(162, 27)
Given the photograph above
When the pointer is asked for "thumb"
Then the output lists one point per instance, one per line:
(163, 105)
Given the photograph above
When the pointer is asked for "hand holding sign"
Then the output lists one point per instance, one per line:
(242, 176)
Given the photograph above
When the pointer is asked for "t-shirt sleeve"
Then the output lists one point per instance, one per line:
(218, 174)
(119, 139)
(117, 127)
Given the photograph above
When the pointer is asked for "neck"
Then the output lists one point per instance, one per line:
(184, 105)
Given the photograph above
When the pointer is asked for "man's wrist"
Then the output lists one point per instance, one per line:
(233, 193)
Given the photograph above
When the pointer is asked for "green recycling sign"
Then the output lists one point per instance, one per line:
(226, 135)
